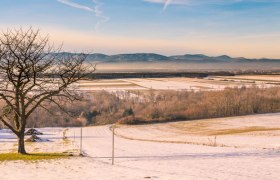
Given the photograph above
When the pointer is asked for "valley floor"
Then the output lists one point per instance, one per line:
(245, 148)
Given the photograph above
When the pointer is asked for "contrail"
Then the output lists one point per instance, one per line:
(96, 10)
(99, 13)
(75, 5)
(166, 4)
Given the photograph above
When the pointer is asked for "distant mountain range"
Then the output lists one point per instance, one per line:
(151, 57)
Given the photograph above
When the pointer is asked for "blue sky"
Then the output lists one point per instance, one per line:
(249, 28)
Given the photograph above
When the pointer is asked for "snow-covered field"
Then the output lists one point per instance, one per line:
(255, 131)
(160, 151)
(210, 83)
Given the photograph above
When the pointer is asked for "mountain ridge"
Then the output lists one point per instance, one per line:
(153, 57)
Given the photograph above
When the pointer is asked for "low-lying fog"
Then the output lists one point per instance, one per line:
(189, 66)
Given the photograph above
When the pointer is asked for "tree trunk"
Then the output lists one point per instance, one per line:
(21, 144)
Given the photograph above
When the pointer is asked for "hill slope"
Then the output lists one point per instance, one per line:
(152, 57)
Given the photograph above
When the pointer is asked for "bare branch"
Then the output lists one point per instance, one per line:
(33, 72)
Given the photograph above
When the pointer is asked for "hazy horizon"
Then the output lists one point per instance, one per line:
(247, 28)
(167, 55)
(184, 67)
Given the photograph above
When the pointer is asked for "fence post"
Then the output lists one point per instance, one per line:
(113, 144)
(81, 142)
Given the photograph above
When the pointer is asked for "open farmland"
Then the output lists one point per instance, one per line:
(246, 147)
(258, 79)
(255, 131)
(209, 83)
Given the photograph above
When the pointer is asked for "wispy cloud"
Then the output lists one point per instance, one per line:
(76, 5)
(167, 3)
(99, 13)
(96, 10)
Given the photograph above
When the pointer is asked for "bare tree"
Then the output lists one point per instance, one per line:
(33, 73)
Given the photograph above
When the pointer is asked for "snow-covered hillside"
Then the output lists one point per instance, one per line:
(148, 158)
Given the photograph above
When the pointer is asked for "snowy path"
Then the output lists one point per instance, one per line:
(180, 161)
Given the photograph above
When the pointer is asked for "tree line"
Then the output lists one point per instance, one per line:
(158, 106)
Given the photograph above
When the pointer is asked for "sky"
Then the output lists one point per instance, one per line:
(239, 28)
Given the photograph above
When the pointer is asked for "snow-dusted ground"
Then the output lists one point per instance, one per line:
(137, 159)
(255, 131)
(8, 142)
(210, 83)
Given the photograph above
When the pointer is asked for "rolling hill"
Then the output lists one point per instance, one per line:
(152, 57)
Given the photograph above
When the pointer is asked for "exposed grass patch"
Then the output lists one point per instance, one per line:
(243, 130)
(217, 128)
(32, 157)
(199, 127)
